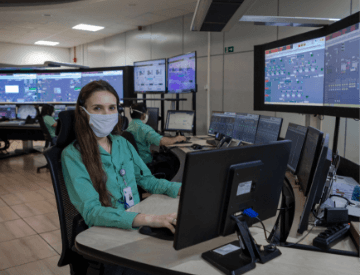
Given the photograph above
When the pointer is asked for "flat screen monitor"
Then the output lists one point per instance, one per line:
(18, 87)
(26, 110)
(182, 73)
(57, 110)
(59, 86)
(317, 186)
(8, 111)
(214, 122)
(180, 121)
(150, 76)
(309, 158)
(223, 123)
(297, 134)
(316, 72)
(245, 127)
(153, 120)
(72, 107)
(268, 129)
(206, 216)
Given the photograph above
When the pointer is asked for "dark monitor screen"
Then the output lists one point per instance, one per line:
(268, 129)
(70, 107)
(57, 110)
(180, 121)
(153, 120)
(18, 87)
(309, 158)
(214, 122)
(245, 127)
(8, 111)
(113, 77)
(182, 73)
(150, 76)
(318, 183)
(297, 134)
(201, 218)
(26, 110)
(59, 86)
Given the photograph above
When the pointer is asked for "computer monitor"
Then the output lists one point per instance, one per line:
(297, 134)
(180, 121)
(57, 110)
(268, 129)
(214, 122)
(59, 86)
(317, 186)
(245, 127)
(182, 73)
(221, 183)
(309, 158)
(18, 87)
(8, 111)
(113, 77)
(26, 110)
(71, 107)
(150, 76)
(153, 120)
(223, 123)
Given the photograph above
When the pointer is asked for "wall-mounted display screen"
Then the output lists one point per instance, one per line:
(150, 76)
(182, 73)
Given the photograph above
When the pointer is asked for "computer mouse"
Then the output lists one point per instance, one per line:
(160, 233)
(196, 147)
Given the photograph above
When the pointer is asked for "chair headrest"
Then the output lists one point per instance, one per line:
(65, 128)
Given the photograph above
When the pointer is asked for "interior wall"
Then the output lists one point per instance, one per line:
(231, 74)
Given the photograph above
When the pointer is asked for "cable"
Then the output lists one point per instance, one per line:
(261, 228)
(348, 201)
(301, 238)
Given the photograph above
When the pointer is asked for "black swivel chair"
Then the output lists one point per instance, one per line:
(71, 222)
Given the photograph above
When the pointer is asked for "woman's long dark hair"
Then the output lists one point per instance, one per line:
(47, 110)
(86, 139)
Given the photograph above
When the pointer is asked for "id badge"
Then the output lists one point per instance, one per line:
(129, 199)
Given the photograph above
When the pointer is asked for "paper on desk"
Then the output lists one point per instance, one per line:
(342, 189)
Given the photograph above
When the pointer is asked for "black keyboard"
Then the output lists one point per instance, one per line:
(182, 142)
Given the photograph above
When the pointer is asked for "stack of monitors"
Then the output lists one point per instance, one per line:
(54, 86)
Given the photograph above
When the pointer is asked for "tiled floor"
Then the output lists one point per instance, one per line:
(30, 240)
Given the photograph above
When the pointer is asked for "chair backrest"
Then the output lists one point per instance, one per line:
(44, 129)
(125, 123)
(66, 210)
(130, 138)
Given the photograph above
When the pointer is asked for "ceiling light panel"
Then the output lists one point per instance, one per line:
(46, 43)
(86, 27)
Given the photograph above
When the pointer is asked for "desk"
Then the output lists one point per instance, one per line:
(26, 132)
(134, 250)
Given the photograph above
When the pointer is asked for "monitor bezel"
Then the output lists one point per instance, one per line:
(180, 130)
(152, 92)
(259, 73)
(167, 80)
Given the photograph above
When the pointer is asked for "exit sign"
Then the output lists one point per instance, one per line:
(229, 49)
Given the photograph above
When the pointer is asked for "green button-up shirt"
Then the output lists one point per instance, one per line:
(144, 136)
(49, 121)
(86, 199)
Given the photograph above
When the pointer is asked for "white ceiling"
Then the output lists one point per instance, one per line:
(26, 25)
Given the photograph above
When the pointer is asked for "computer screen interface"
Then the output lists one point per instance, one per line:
(150, 76)
(57, 110)
(268, 129)
(26, 110)
(245, 127)
(297, 134)
(8, 111)
(180, 121)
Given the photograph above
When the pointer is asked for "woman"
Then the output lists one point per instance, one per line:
(102, 169)
(50, 123)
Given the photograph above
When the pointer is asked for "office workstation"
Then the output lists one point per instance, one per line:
(232, 148)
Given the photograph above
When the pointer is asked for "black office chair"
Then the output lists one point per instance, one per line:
(125, 123)
(47, 136)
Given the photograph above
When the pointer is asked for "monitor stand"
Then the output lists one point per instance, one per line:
(245, 252)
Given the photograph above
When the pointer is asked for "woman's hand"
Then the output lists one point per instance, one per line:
(156, 221)
(179, 192)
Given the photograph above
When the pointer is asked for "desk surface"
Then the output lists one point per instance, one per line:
(144, 253)
(15, 125)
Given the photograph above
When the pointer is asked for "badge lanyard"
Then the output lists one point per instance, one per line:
(129, 200)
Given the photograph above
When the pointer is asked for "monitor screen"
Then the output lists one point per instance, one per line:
(57, 110)
(115, 79)
(268, 129)
(222, 123)
(294, 74)
(182, 73)
(245, 127)
(153, 120)
(70, 107)
(59, 86)
(150, 76)
(180, 121)
(26, 110)
(18, 87)
(342, 68)
(8, 111)
(309, 158)
(214, 122)
(297, 134)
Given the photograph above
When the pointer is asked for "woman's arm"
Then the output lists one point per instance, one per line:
(166, 141)
(157, 221)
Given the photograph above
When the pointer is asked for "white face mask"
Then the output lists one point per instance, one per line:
(145, 120)
(102, 125)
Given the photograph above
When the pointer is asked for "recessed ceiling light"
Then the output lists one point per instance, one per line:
(86, 27)
(47, 43)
